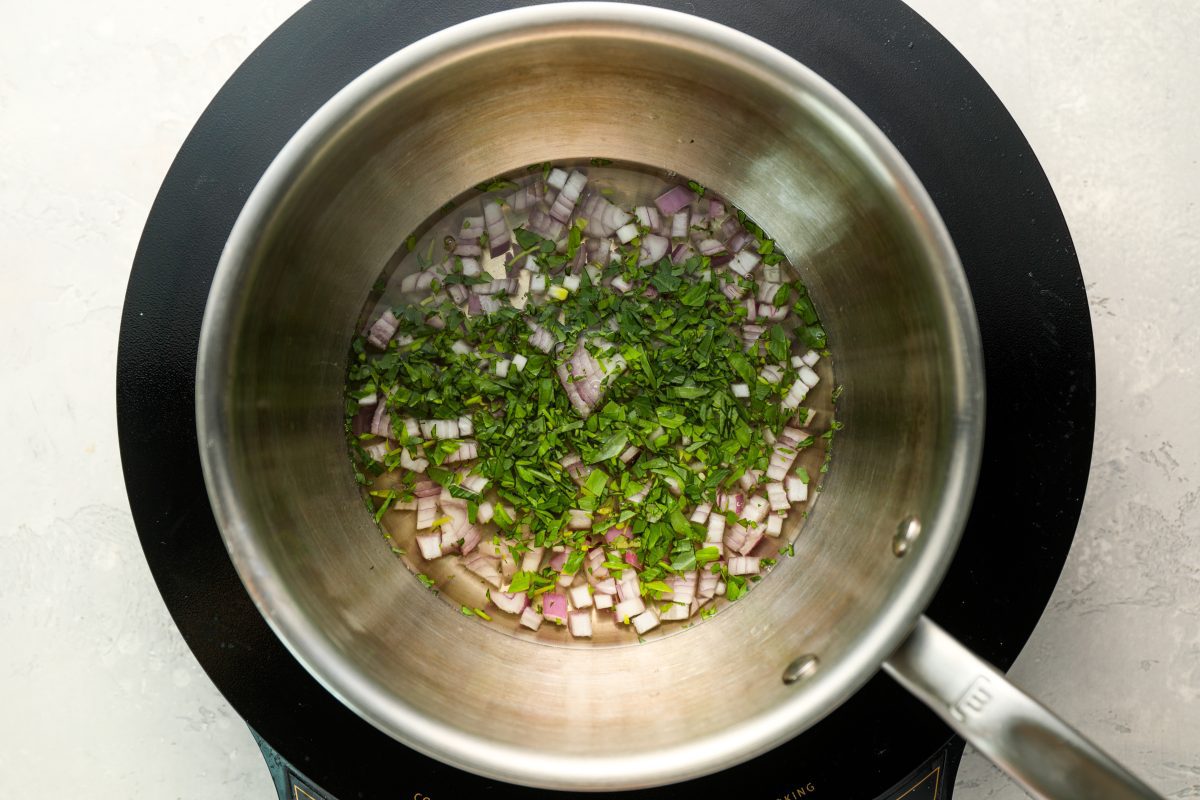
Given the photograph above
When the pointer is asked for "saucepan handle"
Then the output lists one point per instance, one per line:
(1021, 736)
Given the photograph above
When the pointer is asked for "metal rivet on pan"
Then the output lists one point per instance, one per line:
(906, 534)
(803, 667)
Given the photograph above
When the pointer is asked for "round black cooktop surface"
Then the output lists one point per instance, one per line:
(1033, 317)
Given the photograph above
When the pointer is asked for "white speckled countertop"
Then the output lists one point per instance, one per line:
(99, 696)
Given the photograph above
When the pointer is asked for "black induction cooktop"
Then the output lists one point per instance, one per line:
(1033, 317)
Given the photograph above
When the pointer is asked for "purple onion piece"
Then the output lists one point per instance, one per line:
(426, 489)
(680, 223)
(499, 236)
(472, 228)
(554, 606)
(674, 199)
(615, 216)
(595, 209)
(527, 196)
(538, 218)
(558, 560)
(564, 204)
(772, 313)
(382, 331)
(745, 262)
(555, 230)
(729, 228)
(498, 246)
(599, 249)
(541, 338)
(361, 423)
(767, 291)
(510, 602)
(654, 247)
(647, 217)
(682, 253)
(381, 422)
(750, 334)
(577, 402)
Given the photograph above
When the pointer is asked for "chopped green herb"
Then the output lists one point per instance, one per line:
(653, 363)
(612, 447)
(496, 185)
(596, 482)
(777, 343)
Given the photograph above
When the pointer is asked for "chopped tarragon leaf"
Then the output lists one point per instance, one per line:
(684, 560)
(813, 336)
(502, 518)
(496, 185)
(574, 562)
(690, 392)
(383, 507)
(612, 447)
(521, 582)
(596, 482)
(575, 238)
(777, 343)
(655, 588)
(742, 366)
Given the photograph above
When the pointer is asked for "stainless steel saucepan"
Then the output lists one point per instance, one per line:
(666, 89)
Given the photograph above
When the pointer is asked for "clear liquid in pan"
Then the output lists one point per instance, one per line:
(625, 184)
